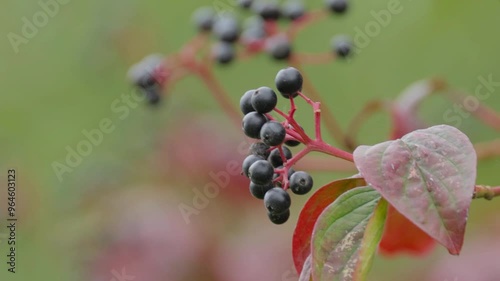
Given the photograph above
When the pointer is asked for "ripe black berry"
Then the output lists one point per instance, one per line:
(337, 6)
(252, 123)
(261, 172)
(269, 11)
(204, 18)
(142, 73)
(152, 95)
(249, 160)
(293, 9)
(275, 156)
(301, 183)
(246, 102)
(279, 47)
(273, 133)
(277, 200)
(292, 143)
(245, 4)
(264, 100)
(279, 218)
(342, 46)
(289, 82)
(226, 29)
(260, 149)
(224, 52)
(258, 191)
(252, 34)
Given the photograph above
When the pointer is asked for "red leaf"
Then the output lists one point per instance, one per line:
(429, 176)
(310, 213)
(401, 235)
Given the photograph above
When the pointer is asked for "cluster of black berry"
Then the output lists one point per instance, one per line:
(266, 166)
(144, 75)
(254, 34)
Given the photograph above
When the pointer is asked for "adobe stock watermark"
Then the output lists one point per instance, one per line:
(380, 19)
(75, 154)
(121, 276)
(219, 181)
(484, 89)
(31, 26)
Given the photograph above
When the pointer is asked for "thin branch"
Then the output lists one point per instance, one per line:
(486, 192)
(487, 150)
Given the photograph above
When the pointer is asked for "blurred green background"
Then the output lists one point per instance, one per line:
(64, 79)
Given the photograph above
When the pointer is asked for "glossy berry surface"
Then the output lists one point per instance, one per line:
(275, 156)
(264, 100)
(204, 18)
(342, 46)
(246, 102)
(273, 133)
(252, 123)
(258, 191)
(280, 218)
(337, 6)
(277, 200)
(288, 82)
(260, 149)
(293, 9)
(279, 48)
(301, 182)
(249, 160)
(261, 172)
(223, 52)
(226, 29)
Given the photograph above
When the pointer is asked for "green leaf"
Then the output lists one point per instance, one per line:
(346, 236)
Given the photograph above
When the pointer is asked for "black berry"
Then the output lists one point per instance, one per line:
(246, 102)
(342, 46)
(264, 100)
(279, 48)
(279, 218)
(301, 182)
(289, 82)
(245, 4)
(253, 34)
(277, 200)
(224, 52)
(273, 133)
(204, 18)
(292, 143)
(252, 123)
(226, 29)
(152, 95)
(275, 156)
(293, 9)
(249, 160)
(269, 11)
(261, 172)
(260, 149)
(258, 191)
(337, 6)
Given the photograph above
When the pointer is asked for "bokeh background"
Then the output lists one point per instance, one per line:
(118, 210)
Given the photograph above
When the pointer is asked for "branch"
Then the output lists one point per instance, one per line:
(487, 150)
(486, 192)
